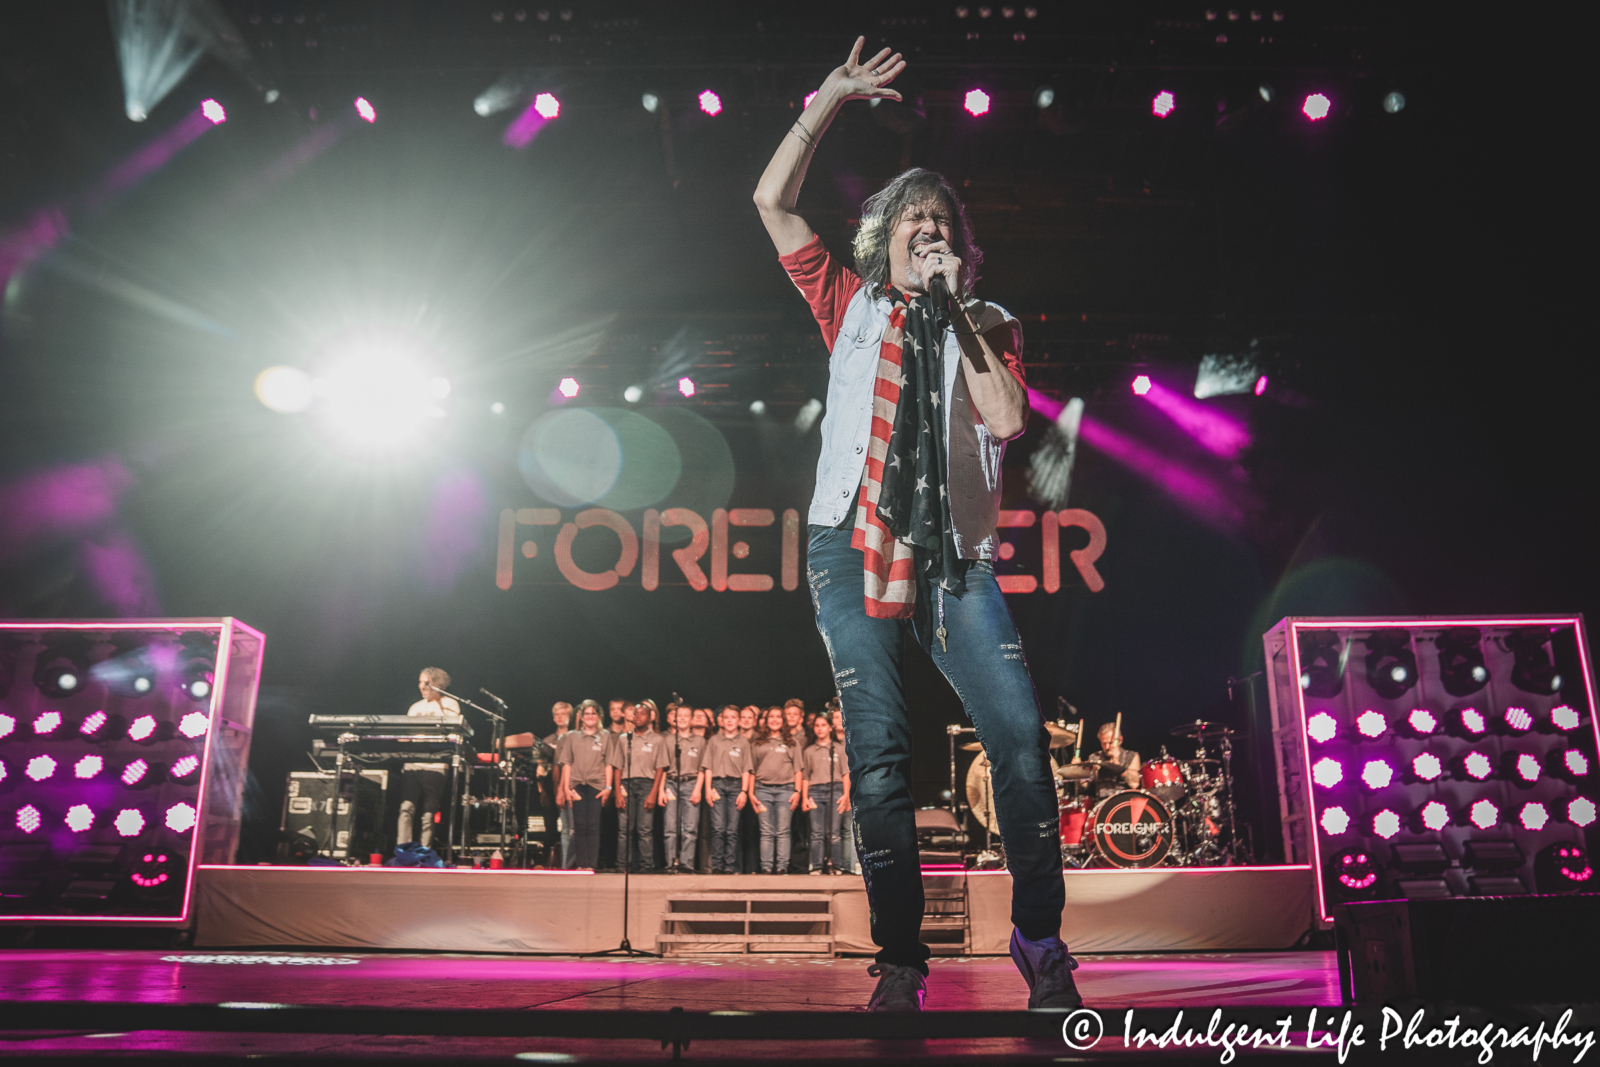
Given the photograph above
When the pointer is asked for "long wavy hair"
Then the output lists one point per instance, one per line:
(882, 212)
(765, 732)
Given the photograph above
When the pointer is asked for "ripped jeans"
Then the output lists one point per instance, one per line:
(981, 657)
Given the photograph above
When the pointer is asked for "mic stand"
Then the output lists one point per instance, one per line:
(626, 846)
(498, 732)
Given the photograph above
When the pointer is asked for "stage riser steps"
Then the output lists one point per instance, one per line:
(946, 926)
(684, 911)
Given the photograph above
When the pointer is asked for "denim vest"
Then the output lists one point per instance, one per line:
(974, 453)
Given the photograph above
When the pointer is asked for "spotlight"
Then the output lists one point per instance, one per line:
(286, 390)
(1434, 815)
(1561, 868)
(153, 874)
(181, 817)
(633, 394)
(135, 773)
(88, 766)
(1316, 107)
(1377, 774)
(1327, 772)
(1335, 821)
(1574, 763)
(62, 668)
(1517, 720)
(1353, 875)
(807, 416)
(1422, 722)
(710, 102)
(3, 771)
(1266, 92)
(127, 672)
(1391, 665)
(686, 386)
(1469, 723)
(365, 109)
(1484, 814)
(547, 105)
(157, 44)
(129, 822)
(46, 723)
(1394, 103)
(200, 655)
(80, 818)
(98, 726)
(758, 407)
(40, 767)
(1322, 663)
(1322, 727)
(1563, 717)
(1524, 767)
(569, 388)
(1225, 374)
(214, 112)
(1533, 672)
(1162, 104)
(1581, 811)
(976, 103)
(143, 728)
(1141, 385)
(1426, 767)
(8, 725)
(29, 819)
(1477, 766)
(194, 724)
(184, 767)
(1533, 816)
(651, 102)
(505, 92)
(1260, 386)
(1461, 667)
(1043, 97)
(1371, 723)
(1386, 824)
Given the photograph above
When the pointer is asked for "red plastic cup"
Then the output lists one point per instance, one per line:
(495, 863)
(376, 859)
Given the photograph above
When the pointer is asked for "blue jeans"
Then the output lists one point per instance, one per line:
(725, 825)
(681, 826)
(982, 659)
(826, 821)
(634, 825)
(775, 844)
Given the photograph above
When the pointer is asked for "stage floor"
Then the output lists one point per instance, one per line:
(431, 982)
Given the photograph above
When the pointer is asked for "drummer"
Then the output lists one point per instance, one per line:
(1118, 767)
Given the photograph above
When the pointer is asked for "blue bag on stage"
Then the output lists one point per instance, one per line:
(412, 854)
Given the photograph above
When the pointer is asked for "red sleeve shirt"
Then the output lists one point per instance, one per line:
(826, 284)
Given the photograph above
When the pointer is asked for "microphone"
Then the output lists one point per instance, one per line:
(939, 293)
(491, 696)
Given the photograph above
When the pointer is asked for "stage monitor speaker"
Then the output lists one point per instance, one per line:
(308, 815)
(1484, 951)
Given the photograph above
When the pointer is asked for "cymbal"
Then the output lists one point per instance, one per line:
(1200, 728)
(1060, 735)
(1075, 771)
(971, 746)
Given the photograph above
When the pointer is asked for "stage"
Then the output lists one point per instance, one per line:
(1164, 909)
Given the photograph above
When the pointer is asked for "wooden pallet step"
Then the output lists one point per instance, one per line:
(746, 916)
(932, 922)
(755, 896)
(777, 939)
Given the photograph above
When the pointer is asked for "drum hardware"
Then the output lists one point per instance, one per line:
(972, 746)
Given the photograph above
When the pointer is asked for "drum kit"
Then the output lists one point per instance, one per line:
(1180, 815)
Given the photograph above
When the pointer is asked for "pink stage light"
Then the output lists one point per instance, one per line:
(1422, 721)
(1141, 385)
(1435, 816)
(1163, 104)
(1377, 774)
(569, 388)
(1484, 814)
(1563, 717)
(185, 766)
(80, 818)
(142, 727)
(213, 112)
(1335, 821)
(1427, 767)
(1527, 767)
(1371, 724)
(1477, 765)
(89, 766)
(686, 386)
(1581, 811)
(3, 771)
(40, 768)
(710, 102)
(91, 725)
(1473, 722)
(1327, 772)
(365, 109)
(812, 95)
(8, 725)
(194, 724)
(1386, 824)
(1261, 385)
(1357, 881)
(976, 103)
(129, 822)
(134, 772)
(1519, 720)
(1211, 429)
(29, 819)
(1322, 727)
(1316, 107)
(547, 105)
(1534, 816)
(46, 723)
(181, 817)
(1576, 763)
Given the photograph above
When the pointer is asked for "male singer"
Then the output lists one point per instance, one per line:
(422, 784)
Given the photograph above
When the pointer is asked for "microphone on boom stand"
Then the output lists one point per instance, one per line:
(491, 696)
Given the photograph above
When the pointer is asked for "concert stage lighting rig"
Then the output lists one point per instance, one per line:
(122, 766)
(1451, 781)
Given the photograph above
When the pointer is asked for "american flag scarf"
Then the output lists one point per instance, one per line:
(903, 514)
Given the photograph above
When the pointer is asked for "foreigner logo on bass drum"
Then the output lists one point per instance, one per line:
(1131, 829)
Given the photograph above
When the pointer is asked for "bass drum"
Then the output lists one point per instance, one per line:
(1130, 829)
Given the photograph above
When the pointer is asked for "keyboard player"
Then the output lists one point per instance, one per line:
(422, 784)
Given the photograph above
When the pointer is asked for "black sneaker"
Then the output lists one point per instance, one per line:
(899, 988)
(1048, 968)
